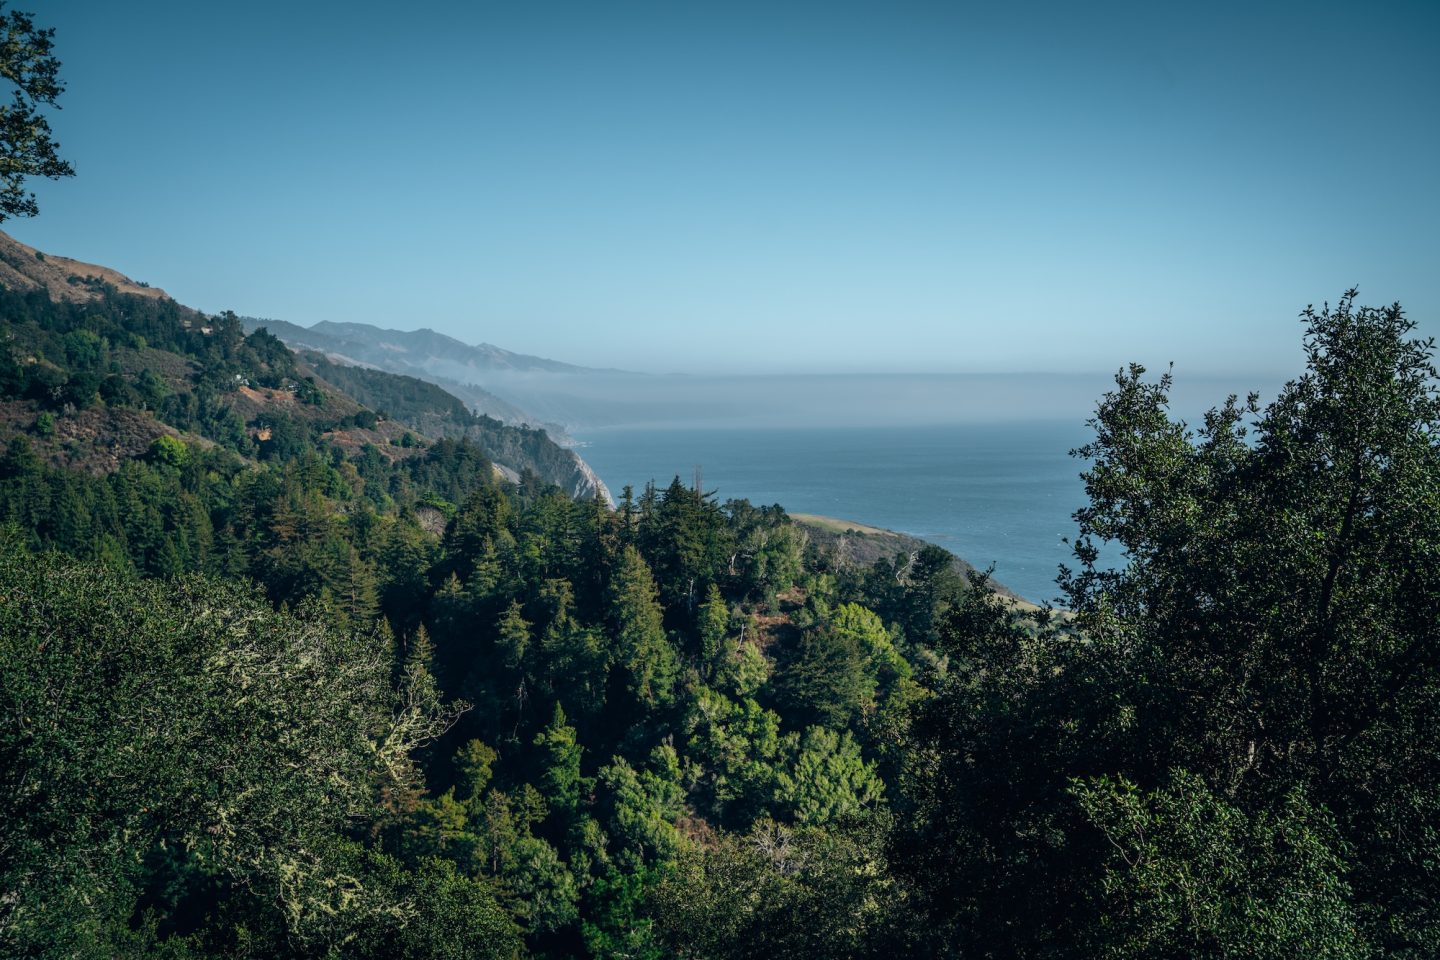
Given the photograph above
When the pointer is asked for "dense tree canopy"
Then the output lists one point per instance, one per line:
(1236, 742)
(187, 727)
(292, 698)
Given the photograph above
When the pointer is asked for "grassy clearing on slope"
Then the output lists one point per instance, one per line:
(832, 525)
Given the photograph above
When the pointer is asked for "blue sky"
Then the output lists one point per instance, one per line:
(740, 186)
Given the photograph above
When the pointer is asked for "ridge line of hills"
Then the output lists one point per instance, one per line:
(465, 370)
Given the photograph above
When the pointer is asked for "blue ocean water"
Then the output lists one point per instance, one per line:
(991, 493)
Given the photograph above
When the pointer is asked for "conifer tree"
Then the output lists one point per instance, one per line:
(356, 587)
(559, 763)
(827, 778)
(474, 766)
(574, 657)
(641, 652)
(826, 677)
(513, 635)
(714, 625)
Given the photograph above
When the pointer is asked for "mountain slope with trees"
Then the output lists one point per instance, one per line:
(197, 477)
(473, 373)
(79, 346)
(435, 412)
(376, 354)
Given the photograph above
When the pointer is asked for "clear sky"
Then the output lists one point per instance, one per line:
(733, 186)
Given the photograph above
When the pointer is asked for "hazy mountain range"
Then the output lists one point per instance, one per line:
(463, 369)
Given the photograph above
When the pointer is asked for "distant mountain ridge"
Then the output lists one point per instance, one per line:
(353, 353)
(515, 388)
(464, 370)
(423, 349)
(432, 345)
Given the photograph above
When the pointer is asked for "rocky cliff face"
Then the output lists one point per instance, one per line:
(588, 483)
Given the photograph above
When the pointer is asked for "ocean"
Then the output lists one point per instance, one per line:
(1001, 494)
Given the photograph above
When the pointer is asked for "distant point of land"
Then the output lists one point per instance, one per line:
(832, 525)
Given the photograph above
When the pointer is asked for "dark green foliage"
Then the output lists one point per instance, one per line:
(559, 764)
(779, 892)
(1235, 741)
(452, 916)
(526, 601)
(638, 809)
(685, 535)
(713, 627)
(915, 590)
(1190, 873)
(400, 397)
(693, 734)
(144, 714)
(618, 924)
(767, 551)
(645, 659)
(436, 413)
(829, 779)
(826, 677)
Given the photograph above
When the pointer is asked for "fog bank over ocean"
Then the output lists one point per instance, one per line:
(588, 402)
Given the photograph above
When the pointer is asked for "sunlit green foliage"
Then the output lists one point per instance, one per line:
(141, 716)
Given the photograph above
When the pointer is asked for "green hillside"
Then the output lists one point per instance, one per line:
(360, 345)
(434, 412)
(95, 375)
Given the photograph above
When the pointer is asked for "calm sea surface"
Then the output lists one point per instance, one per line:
(991, 493)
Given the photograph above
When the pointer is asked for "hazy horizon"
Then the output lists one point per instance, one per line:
(587, 405)
(1233, 371)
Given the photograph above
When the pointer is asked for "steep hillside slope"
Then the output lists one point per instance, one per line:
(96, 368)
(358, 352)
(24, 268)
(511, 387)
(436, 413)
